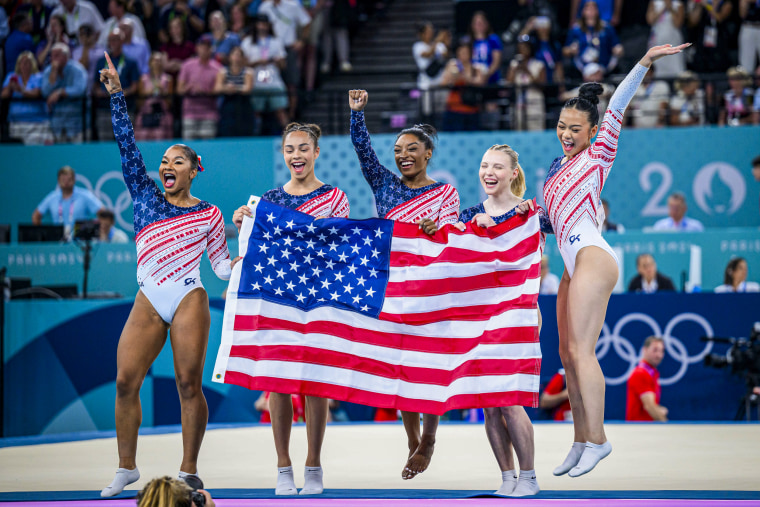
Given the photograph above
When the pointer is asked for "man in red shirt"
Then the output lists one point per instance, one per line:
(644, 385)
(555, 398)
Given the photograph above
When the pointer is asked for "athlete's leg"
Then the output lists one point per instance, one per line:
(499, 438)
(420, 458)
(141, 341)
(590, 288)
(189, 338)
(411, 422)
(316, 411)
(281, 413)
(520, 431)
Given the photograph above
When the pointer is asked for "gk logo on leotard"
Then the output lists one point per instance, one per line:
(574, 238)
(189, 281)
(674, 347)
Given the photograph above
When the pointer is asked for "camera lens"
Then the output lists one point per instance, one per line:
(198, 499)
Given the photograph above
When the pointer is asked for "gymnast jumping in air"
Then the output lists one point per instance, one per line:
(307, 194)
(172, 229)
(572, 195)
(412, 198)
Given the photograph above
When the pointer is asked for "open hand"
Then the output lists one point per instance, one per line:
(110, 77)
(657, 52)
(357, 99)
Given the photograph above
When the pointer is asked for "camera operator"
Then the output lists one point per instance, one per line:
(108, 232)
(644, 385)
(168, 492)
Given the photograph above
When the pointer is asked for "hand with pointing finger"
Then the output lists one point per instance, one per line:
(110, 77)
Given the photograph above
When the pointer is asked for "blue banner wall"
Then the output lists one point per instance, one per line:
(710, 165)
(60, 370)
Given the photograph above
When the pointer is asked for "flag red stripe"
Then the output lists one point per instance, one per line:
(492, 280)
(438, 345)
(412, 231)
(522, 249)
(413, 374)
(461, 401)
(472, 312)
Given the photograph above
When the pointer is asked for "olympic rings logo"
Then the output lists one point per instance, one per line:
(674, 347)
(123, 200)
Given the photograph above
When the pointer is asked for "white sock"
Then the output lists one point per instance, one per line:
(123, 477)
(312, 481)
(527, 485)
(508, 483)
(593, 454)
(572, 458)
(286, 484)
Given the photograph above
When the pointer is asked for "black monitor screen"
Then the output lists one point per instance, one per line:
(30, 232)
(5, 233)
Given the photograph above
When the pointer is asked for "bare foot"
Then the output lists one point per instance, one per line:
(420, 459)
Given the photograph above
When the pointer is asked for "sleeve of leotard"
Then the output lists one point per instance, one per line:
(373, 170)
(132, 165)
(604, 148)
(449, 213)
(545, 223)
(216, 246)
(341, 207)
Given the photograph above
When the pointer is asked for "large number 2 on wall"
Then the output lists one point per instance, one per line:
(657, 204)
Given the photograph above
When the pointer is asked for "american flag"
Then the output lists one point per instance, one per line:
(379, 313)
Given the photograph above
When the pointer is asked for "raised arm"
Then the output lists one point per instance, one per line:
(132, 164)
(373, 170)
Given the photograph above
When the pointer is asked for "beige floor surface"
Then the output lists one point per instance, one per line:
(370, 456)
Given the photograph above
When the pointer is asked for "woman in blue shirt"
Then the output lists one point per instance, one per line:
(592, 40)
(27, 118)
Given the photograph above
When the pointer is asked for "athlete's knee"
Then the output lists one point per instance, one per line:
(189, 386)
(491, 414)
(127, 385)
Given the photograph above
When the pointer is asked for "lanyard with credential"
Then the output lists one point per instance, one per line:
(71, 211)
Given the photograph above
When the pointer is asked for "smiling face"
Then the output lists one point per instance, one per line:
(299, 153)
(496, 173)
(177, 171)
(411, 156)
(574, 131)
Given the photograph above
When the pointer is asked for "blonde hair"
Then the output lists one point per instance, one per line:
(741, 73)
(26, 54)
(518, 184)
(165, 492)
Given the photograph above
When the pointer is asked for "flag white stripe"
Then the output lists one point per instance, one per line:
(454, 270)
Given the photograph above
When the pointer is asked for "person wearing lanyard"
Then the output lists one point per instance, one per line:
(67, 203)
(677, 221)
(643, 385)
(592, 40)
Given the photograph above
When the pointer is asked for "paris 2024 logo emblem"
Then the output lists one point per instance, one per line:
(719, 189)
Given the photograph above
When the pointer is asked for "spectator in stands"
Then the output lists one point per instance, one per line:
(666, 17)
(749, 34)
(266, 55)
(340, 17)
(4, 28)
(592, 40)
(135, 48)
(155, 120)
(430, 54)
(555, 398)
(19, 41)
(56, 33)
(549, 283)
(528, 74)
(222, 40)
(39, 13)
(88, 52)
(76, 13)
(677, 221)
(107, 231)
(118, 11)
(607, 225)
(64, 83)
(67, 203)
(735, 278)
(649, 280)
(649, 106)
(709, 23)
(547, 50)
(756, 168)
(239, 21)
(756, 107)
(318, 11)
(644, 385)
(687, 106)
(290, 23)
(487, 48)
(593, 73)
(462, 112)
(738, 99)
(609, 10)
(27, 120)
(129, 74)
(191, 18)
(234, 83)
(196, 82)
(178, 50)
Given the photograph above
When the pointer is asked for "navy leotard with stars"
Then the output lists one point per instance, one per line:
(326, 201)
(468, 214)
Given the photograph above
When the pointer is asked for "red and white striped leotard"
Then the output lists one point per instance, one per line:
(572, 191)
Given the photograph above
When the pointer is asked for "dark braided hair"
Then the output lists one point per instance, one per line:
(424, 132)
(311, 129)
(189, 153)
(587, 101)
